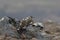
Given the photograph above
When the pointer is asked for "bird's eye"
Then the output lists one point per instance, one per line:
(41, 28)
(33, 25)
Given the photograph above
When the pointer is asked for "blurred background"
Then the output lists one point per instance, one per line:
(42, 9)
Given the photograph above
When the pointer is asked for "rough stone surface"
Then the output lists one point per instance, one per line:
(9, 32)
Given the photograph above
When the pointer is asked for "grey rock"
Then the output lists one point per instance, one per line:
(6, 28)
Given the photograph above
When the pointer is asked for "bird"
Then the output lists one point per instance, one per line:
(38, 24)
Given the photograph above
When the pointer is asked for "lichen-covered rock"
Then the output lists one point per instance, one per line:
(6, 28)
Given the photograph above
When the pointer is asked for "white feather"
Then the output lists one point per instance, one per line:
(38, 23)
(1, 19)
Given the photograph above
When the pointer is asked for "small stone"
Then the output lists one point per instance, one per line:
(2, 37)
(34, 39)
(23, 36)
(56, 38)
(13, 39)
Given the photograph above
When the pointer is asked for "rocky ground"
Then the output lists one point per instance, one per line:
(51, 31)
